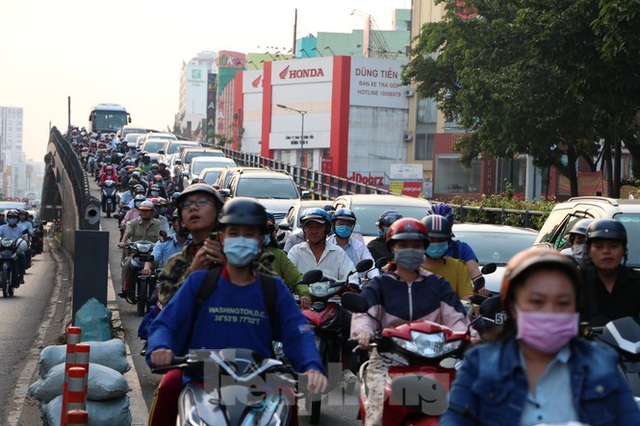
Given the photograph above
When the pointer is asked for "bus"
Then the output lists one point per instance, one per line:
(108, 118)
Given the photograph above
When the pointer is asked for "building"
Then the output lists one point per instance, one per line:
(12, 161)
(193, 99)
(343, 115)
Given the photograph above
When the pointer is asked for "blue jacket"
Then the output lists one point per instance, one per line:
(491, 387)
(234, 317)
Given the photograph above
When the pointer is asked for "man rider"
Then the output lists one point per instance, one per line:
(378, 246)
(12, 229)
(171, 245)
(143, 228)
(342, 223)
(239, 289)
(612, 290)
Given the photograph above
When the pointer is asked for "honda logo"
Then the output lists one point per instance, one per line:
(257, 82)
(304, 73)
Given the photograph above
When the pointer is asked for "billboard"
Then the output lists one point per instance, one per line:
(230, 59)
(301, 71)
(377, 83)
(252, 81)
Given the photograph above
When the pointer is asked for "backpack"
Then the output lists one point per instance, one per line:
(209, 286)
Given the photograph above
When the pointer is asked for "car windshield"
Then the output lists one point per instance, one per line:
(190, 155)
(266, 188)
(200, 164)
(496, 247)
(367, 215)
(154, 146)
(211, 176)
(132, 137)
(631, 223)
(174, 147)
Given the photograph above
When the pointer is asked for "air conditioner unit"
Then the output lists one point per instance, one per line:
(409, 93)
(407, 137)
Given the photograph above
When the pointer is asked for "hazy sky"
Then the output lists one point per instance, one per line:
(131, 52)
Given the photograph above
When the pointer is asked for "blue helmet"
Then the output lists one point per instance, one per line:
(344, 214)
(316, 215)
(443, 209)
(387, 217)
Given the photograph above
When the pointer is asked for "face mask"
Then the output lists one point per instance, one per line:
(343, 231)
(437, 250)
(267, 239)
(154, 193)
(12, 221)
(409, 259)
(240, 251)
(578, 252)
(547, 332)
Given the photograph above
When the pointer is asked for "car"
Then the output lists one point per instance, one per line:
(290, 224)
(173, 149)
(183, 163)
(129, 129)
(200, 163)
(555, 230)
(132, 138)
(494, 244)
(210, 175)
(227, 173)
(275, 190)
(367, 208)
(155, 148)
(159, 135)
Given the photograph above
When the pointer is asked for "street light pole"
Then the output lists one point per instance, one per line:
(302, 114)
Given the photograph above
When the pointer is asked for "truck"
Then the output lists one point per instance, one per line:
(108, 118)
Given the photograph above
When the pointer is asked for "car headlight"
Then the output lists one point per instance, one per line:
(428, 345)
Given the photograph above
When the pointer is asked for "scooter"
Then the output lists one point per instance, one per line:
(425, 355)
(325, 318)
(9, 249)
(144, 285)
(109, 196)
(234, 387)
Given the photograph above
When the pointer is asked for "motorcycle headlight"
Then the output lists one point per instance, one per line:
(428, 345)
(6, 242)
(145, 248)
(321, 289)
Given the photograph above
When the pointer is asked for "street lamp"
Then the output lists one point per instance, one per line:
(302, 113)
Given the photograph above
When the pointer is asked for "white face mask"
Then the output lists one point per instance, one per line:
(578, 252)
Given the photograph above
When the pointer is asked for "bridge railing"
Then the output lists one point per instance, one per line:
(321, 185)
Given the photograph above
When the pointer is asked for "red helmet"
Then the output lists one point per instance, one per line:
(407, 229)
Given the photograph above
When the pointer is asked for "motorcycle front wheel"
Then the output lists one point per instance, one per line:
(142, 297)
(7, 284)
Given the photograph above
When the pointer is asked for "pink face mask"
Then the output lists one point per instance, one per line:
(547, 332)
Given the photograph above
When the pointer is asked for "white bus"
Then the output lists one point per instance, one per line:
(108, 118)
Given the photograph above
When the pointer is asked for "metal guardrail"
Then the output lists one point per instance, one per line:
(85, 201)
(462, 213)
(321, 185)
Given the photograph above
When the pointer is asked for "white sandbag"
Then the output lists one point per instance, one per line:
(113, 412)
(111, 353)
(104, 383)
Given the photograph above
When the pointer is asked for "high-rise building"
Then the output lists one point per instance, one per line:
(12, 170)
(194, 83)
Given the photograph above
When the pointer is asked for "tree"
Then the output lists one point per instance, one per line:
(524, 76)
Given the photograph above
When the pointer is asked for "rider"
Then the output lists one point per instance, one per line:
(577, 238)
(458, 249)
(429, 298)
(171, 245)
(134, 211)
(109, 174)
(378, 246)
(342, 222)
(240, 294)
(453, 270)
(12, 229)
(297, 237)
(612, 290)
(26, 223)
(143, 228)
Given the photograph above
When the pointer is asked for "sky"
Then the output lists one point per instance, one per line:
(131, 51)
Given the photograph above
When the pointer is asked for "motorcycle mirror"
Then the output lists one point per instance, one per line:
(364, 265)
(284, 226)
(489, 268)
(116, 216)
(491, 306)
(354, 303)
(312, 276)
(380, 263)
(478, 283)
(280, 236)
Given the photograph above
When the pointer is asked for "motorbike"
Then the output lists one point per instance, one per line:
(9, 249)
(141, 290)
(623, 335)
(109, 196)
(325, 318)
(424, 356)
(234, 387)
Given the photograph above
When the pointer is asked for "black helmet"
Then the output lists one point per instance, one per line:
(438, 226)
(387, 217)
(606, 229)
(200, 187)
(243, 211)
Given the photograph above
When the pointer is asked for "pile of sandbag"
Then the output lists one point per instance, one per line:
(107, 388)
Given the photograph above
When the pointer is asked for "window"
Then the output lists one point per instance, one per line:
(452, 178)
(423, 148)
(515, 172)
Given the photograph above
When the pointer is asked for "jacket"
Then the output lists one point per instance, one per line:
(491, 387)
(282, 266)
(394, 302)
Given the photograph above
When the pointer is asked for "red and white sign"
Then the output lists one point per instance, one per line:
(377, 83)
(252, 81)
(367, 179)
(312, 70)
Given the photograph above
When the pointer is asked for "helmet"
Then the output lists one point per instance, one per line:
(437, 226)
(23, 212)
(316, 215)
(606, 229)
(154, 166)
(533, 257)
(271, 221)
(155, 201)
(387, 217)
(175, 195)
(199, 187)
(443, 209)
(407, 229)
(162, 201)
(11, 213)
(140, 189)
(108, 168)
(157, 178)
(139, 197)
(580, 227)
(243, 211)
(344, 214)
(155, 187)
(146, 206)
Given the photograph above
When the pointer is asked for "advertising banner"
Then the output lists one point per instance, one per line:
(230, 59)
(301, 71)
(211, 108)
(377, 83)
(410, 188)
(405, 171)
